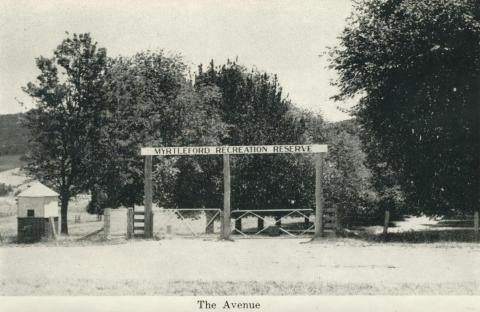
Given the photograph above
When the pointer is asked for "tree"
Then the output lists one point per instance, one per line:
(416, 67)
(256, 112)
(152, 103)
(65, 124)
(348, 181)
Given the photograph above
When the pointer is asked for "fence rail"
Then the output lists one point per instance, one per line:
(289, 213)
(187, 222)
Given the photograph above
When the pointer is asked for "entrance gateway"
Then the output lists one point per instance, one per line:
(319, 150)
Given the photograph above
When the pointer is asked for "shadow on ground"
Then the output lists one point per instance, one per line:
(424, 236)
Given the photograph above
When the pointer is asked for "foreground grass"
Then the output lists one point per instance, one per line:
(243, 267)
(229, 288)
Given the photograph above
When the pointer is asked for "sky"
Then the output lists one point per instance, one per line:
(287, 38)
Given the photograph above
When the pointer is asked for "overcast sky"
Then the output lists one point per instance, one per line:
(282, 37)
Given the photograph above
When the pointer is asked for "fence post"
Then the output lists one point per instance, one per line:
(260, 224)
(222, 225)
(209, 226)
(475, 224)
(226, 197)
(238, 224)
(106, 225)
(130, 217)
(52, 227)
(318, 195)
(387, 221)
(151, 224)
(338, 224)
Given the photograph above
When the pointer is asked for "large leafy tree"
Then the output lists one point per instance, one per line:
(416, 67)
(348, 183)
(256, 112)
(152, 103)
(65, 126)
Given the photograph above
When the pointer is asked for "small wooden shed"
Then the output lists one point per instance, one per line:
(37, 213)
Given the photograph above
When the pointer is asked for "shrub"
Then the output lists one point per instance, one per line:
(5, 189)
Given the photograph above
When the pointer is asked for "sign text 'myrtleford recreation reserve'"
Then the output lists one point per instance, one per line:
(218, 150)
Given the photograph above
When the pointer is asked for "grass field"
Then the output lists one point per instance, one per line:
(8, 162)
(172, 265)
(439, 263)
(244, 267)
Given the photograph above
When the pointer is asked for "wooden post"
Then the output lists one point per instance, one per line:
(52, 225)
(260, 224)
(148, 197)
(475, 224)
(59, 219)
(209, 222)
(226, 197)
(130, 217)
(238, 224)
(319, 203)
(151, 224)
(338, 225)
(59, 224)
(106, 226)
(387, 221)
(222, 224)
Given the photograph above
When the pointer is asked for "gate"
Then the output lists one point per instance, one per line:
(204, 222)
(184, 222)
(292, 229)
(318, 150)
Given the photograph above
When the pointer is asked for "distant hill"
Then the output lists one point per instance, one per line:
(8, 162)
(13, 138)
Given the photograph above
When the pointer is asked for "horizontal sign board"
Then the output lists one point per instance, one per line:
(219, 150)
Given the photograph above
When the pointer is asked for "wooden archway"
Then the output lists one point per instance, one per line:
(318, 149)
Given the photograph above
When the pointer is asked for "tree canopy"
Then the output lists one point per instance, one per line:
(256, 112)
(152, 103)
(416, 67)
(94, 113)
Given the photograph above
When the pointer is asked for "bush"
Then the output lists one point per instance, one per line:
(5, 189)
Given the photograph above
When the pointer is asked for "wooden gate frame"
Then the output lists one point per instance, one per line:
(317, 149)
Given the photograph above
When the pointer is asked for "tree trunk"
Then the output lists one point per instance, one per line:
(260, 224)
(63, 213)
(238, 224)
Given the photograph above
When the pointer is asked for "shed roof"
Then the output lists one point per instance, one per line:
(37, 189)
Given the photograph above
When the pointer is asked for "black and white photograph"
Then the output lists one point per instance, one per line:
(240, 155)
